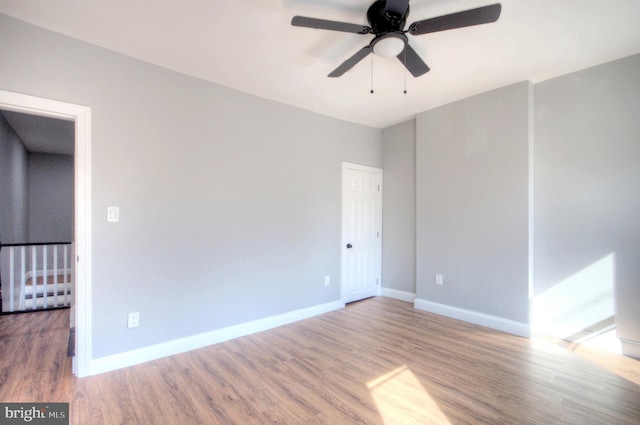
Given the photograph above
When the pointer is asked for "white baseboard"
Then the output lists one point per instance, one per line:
(398, 295)
(493, 322)
(169, 348)
(630, 348)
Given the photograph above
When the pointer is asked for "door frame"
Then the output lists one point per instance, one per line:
(378, 260)
(81, 115)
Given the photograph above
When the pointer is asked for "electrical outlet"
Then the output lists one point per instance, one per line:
(327, 280)
(133, 321)
(439, 279)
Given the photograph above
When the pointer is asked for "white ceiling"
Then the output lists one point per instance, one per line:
(43, 134)
(250, 45)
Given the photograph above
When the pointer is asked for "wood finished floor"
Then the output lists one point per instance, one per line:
(375, 362)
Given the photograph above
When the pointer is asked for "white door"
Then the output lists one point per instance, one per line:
(361, 231)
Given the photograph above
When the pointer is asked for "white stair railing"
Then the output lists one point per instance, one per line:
(35, 276)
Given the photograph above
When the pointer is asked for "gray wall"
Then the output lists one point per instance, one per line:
(587, 181)
(36, 194)
(50, 197)
(14, 180)
(399, 206)
(472, 203)
(229, 203)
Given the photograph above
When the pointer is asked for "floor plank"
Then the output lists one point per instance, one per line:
(378, 361)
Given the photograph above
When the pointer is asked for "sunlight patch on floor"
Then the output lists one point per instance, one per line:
(605, 350)
(402, 400)
(607, 341)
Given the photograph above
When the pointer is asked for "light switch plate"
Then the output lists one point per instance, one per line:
(133, 320)
(113, 214)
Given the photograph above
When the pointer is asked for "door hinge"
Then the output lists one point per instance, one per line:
(378, 188)
(377, 282)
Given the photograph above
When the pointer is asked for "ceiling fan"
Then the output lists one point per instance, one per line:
(387, 19)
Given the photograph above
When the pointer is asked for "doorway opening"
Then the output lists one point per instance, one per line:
(80, 312)
(36, 219)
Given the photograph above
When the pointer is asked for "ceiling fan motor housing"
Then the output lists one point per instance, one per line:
(385, 17)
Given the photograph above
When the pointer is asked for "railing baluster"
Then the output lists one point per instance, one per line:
(23, 279)
(66, 278)
(55, 275)
(34, 276)
(27, 282)
(45, 278)
(11, 279)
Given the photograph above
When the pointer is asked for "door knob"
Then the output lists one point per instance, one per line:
(349, 246)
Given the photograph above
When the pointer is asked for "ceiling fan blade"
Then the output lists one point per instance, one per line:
(324, 24)
(467, 18)
(351, 62)
(412, 61)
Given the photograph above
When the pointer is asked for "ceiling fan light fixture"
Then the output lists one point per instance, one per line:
(389, 45)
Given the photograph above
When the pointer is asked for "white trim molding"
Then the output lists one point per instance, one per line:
(170, 348)
(398, 295)
(470, 316)
(81, 115)
(630, 348)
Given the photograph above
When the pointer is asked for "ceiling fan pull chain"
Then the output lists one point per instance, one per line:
(405, 70)
(371, 74)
